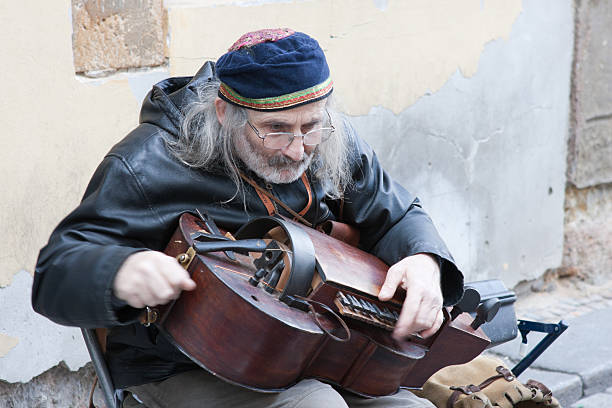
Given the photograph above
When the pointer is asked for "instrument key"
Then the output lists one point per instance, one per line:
(355, 302)
(343, 299)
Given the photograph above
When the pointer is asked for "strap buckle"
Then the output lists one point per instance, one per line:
(466, 389)
(149, 316)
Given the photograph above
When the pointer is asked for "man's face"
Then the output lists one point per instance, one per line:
(283, 165)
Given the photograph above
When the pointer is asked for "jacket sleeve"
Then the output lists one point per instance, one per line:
(392, 222)
(75, 270)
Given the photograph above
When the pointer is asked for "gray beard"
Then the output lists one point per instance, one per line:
(277, 169)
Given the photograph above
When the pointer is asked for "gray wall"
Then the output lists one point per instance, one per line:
(487, 154)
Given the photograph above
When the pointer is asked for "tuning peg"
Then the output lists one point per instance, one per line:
(468, 303)
(273, 276)
(485, 312)
(260, 273)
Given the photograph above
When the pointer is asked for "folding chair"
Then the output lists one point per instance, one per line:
(95, 340)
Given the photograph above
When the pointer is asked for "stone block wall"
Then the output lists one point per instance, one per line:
(588, 232)
(57, 387)
(588, 206)
(110, 35)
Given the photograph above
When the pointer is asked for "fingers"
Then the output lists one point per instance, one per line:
(174, 275)
(392, 281)
(421, 314)
(150, 278)
(421, 311)
(435, 327)
(422, 325)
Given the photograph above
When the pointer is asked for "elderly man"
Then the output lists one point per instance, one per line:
(253, 130)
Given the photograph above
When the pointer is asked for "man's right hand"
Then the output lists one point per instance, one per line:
(150, 278)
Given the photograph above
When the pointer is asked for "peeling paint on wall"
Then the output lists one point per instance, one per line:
(486, 154)
(56, 128)
(42, 343)
(7, 343)
(379, 56)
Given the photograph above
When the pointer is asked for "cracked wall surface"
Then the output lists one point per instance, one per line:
(381, 53)
(466, 104)
(58, 387)
(56, 129)
(588, 230)
(473, 113)
(7, 343)
(486, 154)
(590, 147)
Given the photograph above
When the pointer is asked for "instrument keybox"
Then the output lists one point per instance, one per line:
(365, 310)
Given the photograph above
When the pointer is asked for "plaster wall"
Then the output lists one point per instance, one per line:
(386, 53)
(55, 130)
(487, 153)
(466, 103)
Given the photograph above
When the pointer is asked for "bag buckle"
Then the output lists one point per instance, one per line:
(466, 389)
(508, 376)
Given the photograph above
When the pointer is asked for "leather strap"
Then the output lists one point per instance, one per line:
(91, 393)
(471, 389)
(536, 384)
(266, 202)
(309, 191)
(268, 195)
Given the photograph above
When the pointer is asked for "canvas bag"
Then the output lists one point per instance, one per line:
(484, 383)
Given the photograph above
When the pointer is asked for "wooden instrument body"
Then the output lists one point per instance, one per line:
(246, 336)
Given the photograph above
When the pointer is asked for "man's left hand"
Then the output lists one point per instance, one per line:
(421, 313)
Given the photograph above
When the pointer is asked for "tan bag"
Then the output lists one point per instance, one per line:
(484, 383)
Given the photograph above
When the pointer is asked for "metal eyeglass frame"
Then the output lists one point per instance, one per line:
(291, 136)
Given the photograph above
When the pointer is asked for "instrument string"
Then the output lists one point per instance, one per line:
(244, 274)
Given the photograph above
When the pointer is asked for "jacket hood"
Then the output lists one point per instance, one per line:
(165, 103)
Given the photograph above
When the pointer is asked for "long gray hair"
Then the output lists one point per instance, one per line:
(204, 143)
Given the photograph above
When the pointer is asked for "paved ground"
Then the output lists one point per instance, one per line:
(577, 367)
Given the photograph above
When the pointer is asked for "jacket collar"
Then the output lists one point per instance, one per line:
(164, 104)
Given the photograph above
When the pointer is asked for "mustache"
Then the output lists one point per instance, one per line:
(284, 161)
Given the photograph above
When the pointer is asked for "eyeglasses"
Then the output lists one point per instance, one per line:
(280, 140)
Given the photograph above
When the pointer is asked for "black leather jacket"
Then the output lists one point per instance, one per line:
(133, 202)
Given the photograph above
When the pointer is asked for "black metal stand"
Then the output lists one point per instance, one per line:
(554, 330)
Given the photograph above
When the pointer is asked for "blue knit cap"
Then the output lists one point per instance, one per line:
(274, 69)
